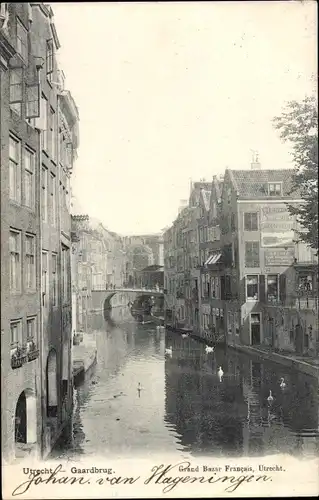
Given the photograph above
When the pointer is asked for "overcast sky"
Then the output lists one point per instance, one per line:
(169, 92)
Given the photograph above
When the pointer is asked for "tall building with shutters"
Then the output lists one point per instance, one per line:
(39, 139)
(263, 276)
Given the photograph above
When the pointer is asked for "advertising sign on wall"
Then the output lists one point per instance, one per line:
(279, 257)
(276, 226)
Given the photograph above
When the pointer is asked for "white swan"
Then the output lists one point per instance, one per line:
(209, 349)
(220, 372)
(282, 383)
(270, 397)
(169, 350)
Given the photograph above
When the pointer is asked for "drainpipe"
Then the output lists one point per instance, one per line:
(41, 343)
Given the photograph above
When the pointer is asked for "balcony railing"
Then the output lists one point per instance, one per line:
(21, 355)
(32, 351)
(307, 301)
(18, 357)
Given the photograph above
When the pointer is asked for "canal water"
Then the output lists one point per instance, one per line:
(142, 401)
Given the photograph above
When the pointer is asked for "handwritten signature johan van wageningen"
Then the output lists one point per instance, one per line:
(160, 474)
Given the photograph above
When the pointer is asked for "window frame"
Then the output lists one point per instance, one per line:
(19, 341)
(33, 320)
(251, 299)
(31, 98)
(15, 190)
(32, 237)
(44, 194)
(17, 100)
(44, 112)
(44, 277)
(252, 264)
(18, 272)
(274, 192)
(53, 197)
(276, 300)
(23, 42)
(49, 60)
(251, 229)
(54, 272)
(29, 172)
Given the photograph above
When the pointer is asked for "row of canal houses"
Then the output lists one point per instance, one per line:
(235, 270)
(39, 140)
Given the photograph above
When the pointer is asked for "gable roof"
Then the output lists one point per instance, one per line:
(254, 183)
(205, 195)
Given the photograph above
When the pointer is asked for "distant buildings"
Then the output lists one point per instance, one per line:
(99, 263)
(234, 270)
(141, 251)
(39, 139)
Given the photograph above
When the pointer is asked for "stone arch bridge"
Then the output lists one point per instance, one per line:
(120, 298)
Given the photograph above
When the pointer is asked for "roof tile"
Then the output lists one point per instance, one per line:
(254, 183)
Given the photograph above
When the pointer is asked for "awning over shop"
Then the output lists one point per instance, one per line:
(213, 259)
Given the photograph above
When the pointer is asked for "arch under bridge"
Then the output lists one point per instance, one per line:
(105, 300)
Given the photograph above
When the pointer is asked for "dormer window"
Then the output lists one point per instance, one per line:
(275, 189)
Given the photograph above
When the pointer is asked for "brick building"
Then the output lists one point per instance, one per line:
(39, 138)
(261, 264)
(181, 263)
(98, 264)
(211, 266)
(253, 282)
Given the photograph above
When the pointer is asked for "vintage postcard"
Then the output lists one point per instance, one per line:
(159, 249)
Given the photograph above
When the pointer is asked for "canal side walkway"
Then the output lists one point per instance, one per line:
(304, 364)
(84, 356)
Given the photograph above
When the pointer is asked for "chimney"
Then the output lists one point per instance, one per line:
(255, 164)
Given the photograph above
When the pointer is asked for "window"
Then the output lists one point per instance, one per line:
(44, 114)
(54, 280)
(49, 60)
(215, 287)
(30, 261)
(31, 329)
(22, 41)
(252, 254)
(44, 194)
(272, 288)
(16, 332)
(29, 184)
(32, 102)
(251, 221)
(15, 260)
(274, 189)
(16, 89)
(14, 169)
(252, 287)
(65, 282)
(44, 279)
(53, 198)
(52, 134)
(62, 147)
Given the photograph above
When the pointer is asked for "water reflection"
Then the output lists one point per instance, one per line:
(233, 417)
(142, 401)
